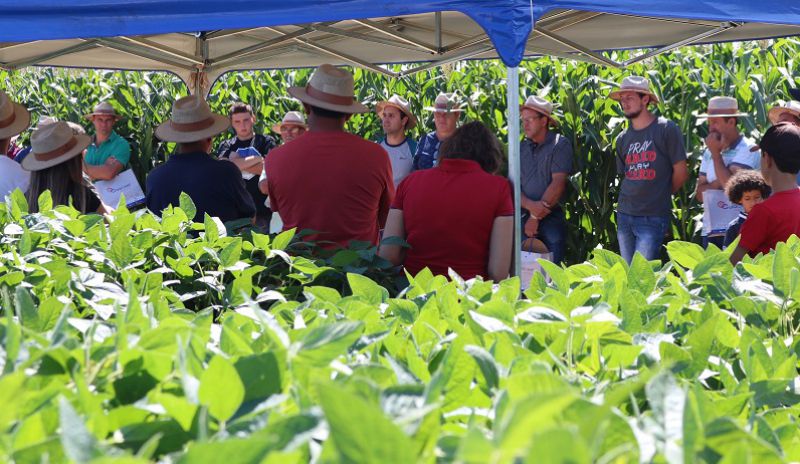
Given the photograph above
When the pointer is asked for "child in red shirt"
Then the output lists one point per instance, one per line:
(777, 218)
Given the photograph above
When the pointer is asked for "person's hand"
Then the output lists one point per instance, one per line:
(715, 143)
(531, 227)
(537, 209)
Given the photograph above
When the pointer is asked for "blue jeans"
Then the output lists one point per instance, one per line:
(553, 232)
(644, 234)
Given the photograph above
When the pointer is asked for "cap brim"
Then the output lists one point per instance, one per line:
(166, 133)
(22, 119)
(30, 163)
(301, 94)
(277, 127)
(412, 120)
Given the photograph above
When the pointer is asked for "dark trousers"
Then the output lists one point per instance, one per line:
(553, 232)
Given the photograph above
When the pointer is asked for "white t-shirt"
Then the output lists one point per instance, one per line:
(718, 211)
(12, 176)
(402, 159)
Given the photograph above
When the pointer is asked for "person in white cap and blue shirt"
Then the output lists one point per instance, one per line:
(14, 118)
(727, 151)
(447, 111)
(546, 162)
(397, 120)
(651, 159)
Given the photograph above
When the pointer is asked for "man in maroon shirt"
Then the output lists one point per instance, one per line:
(330, 181)
(777, 218)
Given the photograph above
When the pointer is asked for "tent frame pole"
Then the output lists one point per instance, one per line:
(512, 94)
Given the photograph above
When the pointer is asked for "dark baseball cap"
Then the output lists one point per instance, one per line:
(782, 143)
(795, 93)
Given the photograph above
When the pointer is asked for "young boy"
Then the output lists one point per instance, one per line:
(746, 188)
(778, 217)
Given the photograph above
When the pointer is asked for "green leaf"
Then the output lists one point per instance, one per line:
(487, 365)
(231, 253)
(366, 288)
(121, 251)
(221, 389)
(686, 254)
(80, 445)
(667, 400)
(322, 344)
(187, 205)
(45, 201)
(360, 432)
(282, 240)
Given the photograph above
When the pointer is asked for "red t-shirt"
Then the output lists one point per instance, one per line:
(333, 182)
(448, 214)
(770, 222)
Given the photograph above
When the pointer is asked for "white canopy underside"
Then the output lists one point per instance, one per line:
(434, 39)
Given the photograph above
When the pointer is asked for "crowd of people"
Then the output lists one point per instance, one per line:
(440, 195)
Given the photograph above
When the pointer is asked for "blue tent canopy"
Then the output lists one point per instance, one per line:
(506, 23)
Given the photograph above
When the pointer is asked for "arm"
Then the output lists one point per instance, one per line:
(724, 173)
(251, 164)
(263, 186)
(500, 245)
(106, 171)
(680, 173)
(395, 227)
(387, 196)
(738, 254)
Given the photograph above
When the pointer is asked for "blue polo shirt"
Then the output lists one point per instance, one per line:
(215, 186)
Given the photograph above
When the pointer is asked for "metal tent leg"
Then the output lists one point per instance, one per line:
(512, 84)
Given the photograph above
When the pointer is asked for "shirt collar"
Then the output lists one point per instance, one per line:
(459, 165)
(548, 139)
(113, 136)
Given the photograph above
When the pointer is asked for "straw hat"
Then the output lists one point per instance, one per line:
(53, 144)
(191, 120)
(791, 107)
(636, 84)
(446, 103)
(722, 107)
(541, 106)
(103, 109)
(401, 104)
(329, 88)
(14, 118)
(292, 118)
(45, 120)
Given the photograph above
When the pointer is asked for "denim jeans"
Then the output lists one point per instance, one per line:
(644, 234)
(553, 232)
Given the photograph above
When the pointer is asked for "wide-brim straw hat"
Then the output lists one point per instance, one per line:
(292, 118)
(401, 104)
(53, 144)
(722, 107)
(792, 107)
(103, 109)
(14, 118)
(446, 103)
(636, 84)
(330, 88)
(541, 106)
(191, 121)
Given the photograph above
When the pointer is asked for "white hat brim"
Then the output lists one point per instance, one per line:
(301, 94)
(166, 133)
(776, 112)
(734, 115)
(439, 110)
(277, 127)
(412, 120)
(615, 94)
(22, 119)
(30, 163)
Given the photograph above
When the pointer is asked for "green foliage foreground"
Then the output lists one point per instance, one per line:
(146, 339)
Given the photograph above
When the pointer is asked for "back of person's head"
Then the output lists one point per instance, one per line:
(64, 180)
(240, 107)
(743, 181)
(782, 143)
(325, 113)
(473, 141)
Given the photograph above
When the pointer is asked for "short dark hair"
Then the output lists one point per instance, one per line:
(322, 112)
(782, 143)
(746, 180)
(473, 141)
(240, 107)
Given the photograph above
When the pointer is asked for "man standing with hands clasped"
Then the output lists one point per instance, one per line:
(651, 159)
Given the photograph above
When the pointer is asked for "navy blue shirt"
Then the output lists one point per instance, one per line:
(215, 186)
(427, 153)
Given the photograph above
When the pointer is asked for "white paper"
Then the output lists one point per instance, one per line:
(529, 263)
(125, 182)
(718, 212)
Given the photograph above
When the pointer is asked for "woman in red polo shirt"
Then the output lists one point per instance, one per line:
(458, 214)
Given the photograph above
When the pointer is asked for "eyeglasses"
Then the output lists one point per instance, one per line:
(532, 118)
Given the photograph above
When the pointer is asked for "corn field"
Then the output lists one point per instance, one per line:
(758, 74)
